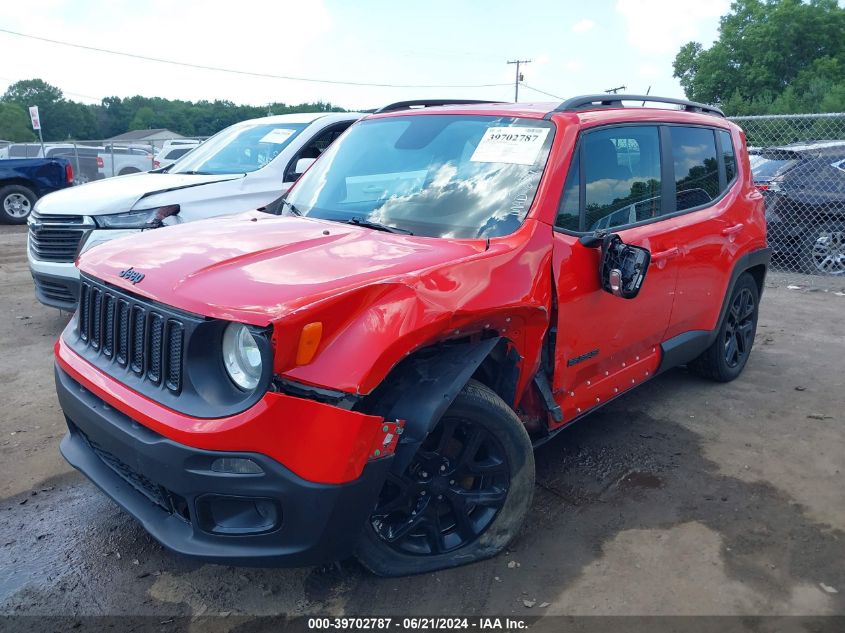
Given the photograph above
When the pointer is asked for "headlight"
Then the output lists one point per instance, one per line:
(241, 356)
(143, 219)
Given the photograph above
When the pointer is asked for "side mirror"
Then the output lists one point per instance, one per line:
(302, 166)
(623, 267)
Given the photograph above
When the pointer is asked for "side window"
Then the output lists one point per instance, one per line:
(696, 166)
(568, 215)
(317, 146)
(177, 153)
(622, 176)
(728, 155)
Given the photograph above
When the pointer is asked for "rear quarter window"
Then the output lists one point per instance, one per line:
(728, 155)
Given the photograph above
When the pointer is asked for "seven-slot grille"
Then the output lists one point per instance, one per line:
(133, 334)
(56, 238)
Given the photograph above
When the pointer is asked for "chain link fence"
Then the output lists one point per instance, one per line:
(798, 162)
(97, 159)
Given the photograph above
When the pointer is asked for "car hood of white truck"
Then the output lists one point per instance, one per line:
(122, 193)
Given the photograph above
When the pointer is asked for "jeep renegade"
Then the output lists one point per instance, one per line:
(446, 288)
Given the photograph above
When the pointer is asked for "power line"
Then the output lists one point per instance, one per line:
(548, 94)
(240, 72)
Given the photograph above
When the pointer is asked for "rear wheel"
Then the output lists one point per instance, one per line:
(725, 359)
(824, 251)
(129, 170)
(16, 204)
(464, 495)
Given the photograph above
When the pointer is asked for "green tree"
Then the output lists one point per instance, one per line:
(14, 123)
(771, 56)
(31, 92)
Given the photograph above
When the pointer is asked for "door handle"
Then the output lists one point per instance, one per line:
(664, 255)
(736, 228)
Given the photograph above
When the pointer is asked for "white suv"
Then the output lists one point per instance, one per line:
(244, 167)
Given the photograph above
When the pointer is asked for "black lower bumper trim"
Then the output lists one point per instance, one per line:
(159, 481)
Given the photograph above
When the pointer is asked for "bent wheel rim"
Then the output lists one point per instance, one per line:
(16, 205)
(739, 331)
(828, 253)
(449, 494)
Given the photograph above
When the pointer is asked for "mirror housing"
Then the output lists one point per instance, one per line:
(302, 166)
(623, 267)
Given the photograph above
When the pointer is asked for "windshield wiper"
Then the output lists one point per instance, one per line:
(377, 226)
(290, 206)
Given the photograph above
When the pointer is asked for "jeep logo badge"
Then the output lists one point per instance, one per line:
(132, 275)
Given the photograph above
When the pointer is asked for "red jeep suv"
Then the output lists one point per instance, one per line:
(368, 370)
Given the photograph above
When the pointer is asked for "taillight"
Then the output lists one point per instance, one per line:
(69, 173)
(100, 163)
(156, 164)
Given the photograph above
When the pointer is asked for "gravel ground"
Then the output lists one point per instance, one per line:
(683, 498)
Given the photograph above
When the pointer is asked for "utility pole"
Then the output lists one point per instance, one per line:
(615, 90)
(518, 76)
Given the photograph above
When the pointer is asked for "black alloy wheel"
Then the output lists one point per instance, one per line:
(739, 333)
(451, 492)
(462, 497)
(730, 350)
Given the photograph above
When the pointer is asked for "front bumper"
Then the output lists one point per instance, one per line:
(167, 486)
(56, 291)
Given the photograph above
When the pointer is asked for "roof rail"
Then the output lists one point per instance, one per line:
(615, 101)
(427, 103)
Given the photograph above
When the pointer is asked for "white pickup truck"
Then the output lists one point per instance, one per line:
(116, 160)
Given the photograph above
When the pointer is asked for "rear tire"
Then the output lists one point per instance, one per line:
(464, 495)
(129, 170)
(16, 203)
(725, 359)
(823, 252)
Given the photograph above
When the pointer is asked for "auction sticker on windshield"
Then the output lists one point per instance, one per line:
(277, 136)
(512, 145)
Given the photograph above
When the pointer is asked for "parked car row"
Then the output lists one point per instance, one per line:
(93, 162)
(804, 188)
(364, 365)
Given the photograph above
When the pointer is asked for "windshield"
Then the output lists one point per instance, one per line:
(768, 167)
(434, 175)
(239, 149)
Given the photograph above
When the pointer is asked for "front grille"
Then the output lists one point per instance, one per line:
(132, 333)
(48, 218)
(55, 244)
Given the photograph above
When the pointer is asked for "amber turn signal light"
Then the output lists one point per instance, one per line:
(308, 342)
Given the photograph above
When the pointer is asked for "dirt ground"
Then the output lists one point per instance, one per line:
(685, 497)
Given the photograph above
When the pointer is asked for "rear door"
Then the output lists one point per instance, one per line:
(708, 224)
(605, 344)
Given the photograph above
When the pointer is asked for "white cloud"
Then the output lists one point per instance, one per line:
(575, 65)
(648, 70)
(582, 26)
(663, 26)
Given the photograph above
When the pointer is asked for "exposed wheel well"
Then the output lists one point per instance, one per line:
(20, 183)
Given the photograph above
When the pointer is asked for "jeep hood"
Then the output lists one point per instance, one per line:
(122, 193)
(256, 268)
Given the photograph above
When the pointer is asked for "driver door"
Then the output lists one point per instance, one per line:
(604, 344)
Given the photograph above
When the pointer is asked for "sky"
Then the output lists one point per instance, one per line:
(575, 47)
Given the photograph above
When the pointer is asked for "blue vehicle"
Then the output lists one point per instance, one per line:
(23, 181)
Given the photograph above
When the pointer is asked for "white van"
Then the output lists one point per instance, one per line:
(246, 166)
